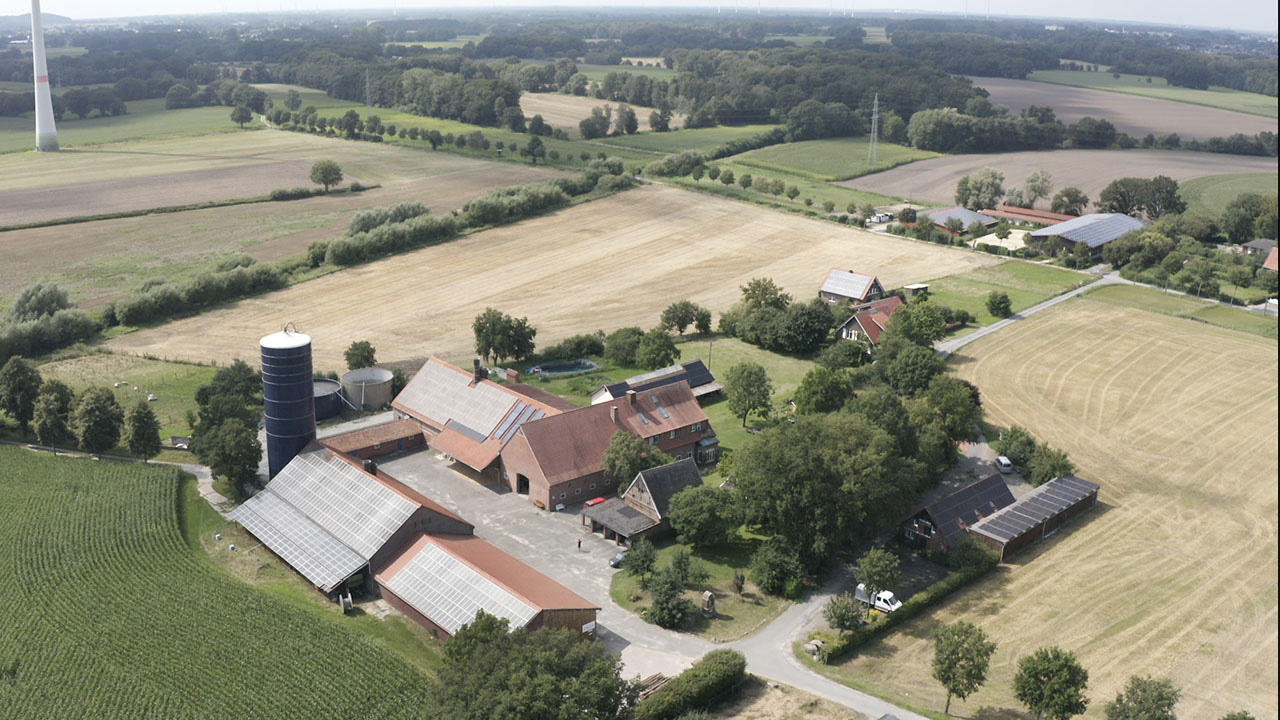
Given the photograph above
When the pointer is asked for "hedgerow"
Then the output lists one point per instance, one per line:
(717, 673)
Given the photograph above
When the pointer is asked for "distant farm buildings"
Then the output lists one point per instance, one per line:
(847, 286)
(1027, 216)
(1093, 231)
(967, 218)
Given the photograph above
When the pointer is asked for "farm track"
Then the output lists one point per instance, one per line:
(606, 264)
(1175, 573)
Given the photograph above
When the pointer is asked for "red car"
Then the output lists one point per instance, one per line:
(593, 502)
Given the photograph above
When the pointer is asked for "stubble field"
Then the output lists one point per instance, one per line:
(1090, 170)
(611, 263)
(1129, 113)
(566, 111)
(1174, 574)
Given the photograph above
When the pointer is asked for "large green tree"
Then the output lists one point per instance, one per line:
(1039, 184)
(747, 389)
(1017, 444)
(52, 415)
(912, 370)
(627, 455)
(326, 173)
(1070, 201)
(1048, 463)
(961, 656)
(981, 190)
(680, 315)
(764, 292)
(1051, 683)
(823, 390)
(96, 420)
(620, 345)
(19, 386)
(360, 354)
(142, 431)
(490, 673)
(1144, 698)
(37, 301)
(241, 115)
(702, 515)
(921, 322)
(499, 336)
(233, 451)
(843, 612)
(656, 349)
(878, 570)
(640, 560)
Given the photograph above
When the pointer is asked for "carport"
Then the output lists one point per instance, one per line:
(617, 521)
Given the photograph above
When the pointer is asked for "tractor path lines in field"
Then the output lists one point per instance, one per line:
(605, 264)
(566, 111)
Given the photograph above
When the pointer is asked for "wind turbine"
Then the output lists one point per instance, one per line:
(46, 132)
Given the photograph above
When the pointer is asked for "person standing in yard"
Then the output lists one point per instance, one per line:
(579, 544)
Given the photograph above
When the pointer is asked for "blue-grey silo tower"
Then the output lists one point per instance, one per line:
(288, 396)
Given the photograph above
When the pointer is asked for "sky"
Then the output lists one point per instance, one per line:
(1255, 15)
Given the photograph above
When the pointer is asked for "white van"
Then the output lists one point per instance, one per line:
(1003, 465)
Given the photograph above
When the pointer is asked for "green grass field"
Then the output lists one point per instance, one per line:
(596, 73)
(174, 384)
(830, 159)
(1026, 283)
(1210, 195)
(678, 141)
(737, 615)
(120, 616)
(145, 119)
(1218, 97)
(1181, 306)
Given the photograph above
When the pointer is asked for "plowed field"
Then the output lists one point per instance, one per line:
(606, 264)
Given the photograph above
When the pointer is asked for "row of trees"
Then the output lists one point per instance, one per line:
(93, 421)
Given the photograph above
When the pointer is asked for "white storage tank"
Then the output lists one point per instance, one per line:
(368, 388)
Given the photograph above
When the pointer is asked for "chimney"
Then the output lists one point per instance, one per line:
(613, 414)
(478, 373)
(631, 397)
(371, 467)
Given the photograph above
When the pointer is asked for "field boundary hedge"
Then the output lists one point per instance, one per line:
(717, 674)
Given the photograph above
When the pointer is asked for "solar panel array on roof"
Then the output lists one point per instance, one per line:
(1094, 229)
(1035, 507)
(442, 394)
(450, 592)
(349, 504)
(847, 284)
(318, 555)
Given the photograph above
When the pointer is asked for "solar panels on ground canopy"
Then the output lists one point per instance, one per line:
(450, 592)
(1034, 508)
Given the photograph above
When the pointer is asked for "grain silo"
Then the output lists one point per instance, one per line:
(368, 388)
(288, 395)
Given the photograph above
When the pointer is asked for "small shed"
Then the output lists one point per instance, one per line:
(1036, 515)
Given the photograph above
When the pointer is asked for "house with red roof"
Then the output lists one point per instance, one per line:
(869, 320)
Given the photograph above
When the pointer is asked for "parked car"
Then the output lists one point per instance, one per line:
(1003, 465)
(593, 502)
(885, 602)
(616, 560)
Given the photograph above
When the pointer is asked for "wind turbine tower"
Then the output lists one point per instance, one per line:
(46, 133)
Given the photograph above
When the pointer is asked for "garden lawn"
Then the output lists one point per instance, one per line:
(677, 141)
(737, 615)
(830, 159)
(1210, 195)
(1216, 97)
(1026, 283)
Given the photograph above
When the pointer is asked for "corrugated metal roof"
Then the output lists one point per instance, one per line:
(967, 217)
(1094, 230)
(847, 283)
(1035, 507)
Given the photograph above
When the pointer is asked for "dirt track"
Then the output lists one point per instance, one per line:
(606, 264)
(1090, 170)
(1174, 574)
(1129, 113)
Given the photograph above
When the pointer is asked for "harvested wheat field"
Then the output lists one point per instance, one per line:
(1090, 170)
(1174, 573)
(107, 259)
(755, 700)
(605, 264)
(566, 111)
(1129, 113)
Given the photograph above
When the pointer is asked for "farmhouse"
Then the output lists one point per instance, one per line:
(466, 416)
(642, 509)
(847, 286)
(1094, 230)
(965, 216)
(559, 458)
(329, 517)
(941, 526)
(1260, 246)
(1027, 216)
(441, 580)
(385, 439)
(694, 372)
(869, 320)
(1036, 515)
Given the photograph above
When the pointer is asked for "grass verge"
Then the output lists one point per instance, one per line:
(1027, 284)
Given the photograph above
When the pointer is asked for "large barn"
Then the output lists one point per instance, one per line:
(1036, 515)
(1094, 231)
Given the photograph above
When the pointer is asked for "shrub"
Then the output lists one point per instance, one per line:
(368, 219)
(297, 193)
(774, 569)
(577, 346)
(614, 183)
(508, 204)
(420, 231)
(717, 673)
(675, 165)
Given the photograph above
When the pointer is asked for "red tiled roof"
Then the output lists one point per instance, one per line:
(872, 318)
(368, 437)
(507, 572)
(572, 445)
(1040, 217)
(1273, 261)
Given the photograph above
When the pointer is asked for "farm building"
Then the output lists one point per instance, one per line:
(869, 320)
(385, 439)
(466, 416)
(940, 526)
(642, 509)
(1260, 246)
(441, 580)
(1027, 216)
(1036, 515)
(694, 372)
(847, 286)
(329, 517)
(558, 459)
(964, 215)
(1094, 230)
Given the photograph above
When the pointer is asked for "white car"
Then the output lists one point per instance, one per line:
(885, 602)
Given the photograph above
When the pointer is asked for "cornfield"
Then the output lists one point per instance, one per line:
(107, 613)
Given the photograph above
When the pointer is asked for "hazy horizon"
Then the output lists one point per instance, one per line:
(1244, 15)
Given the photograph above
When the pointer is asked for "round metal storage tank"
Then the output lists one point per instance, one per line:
(327, 397)
(288, 396)
(369, 388)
